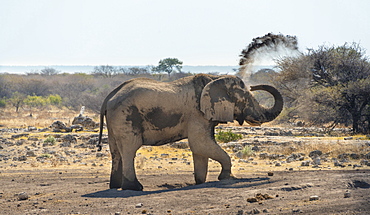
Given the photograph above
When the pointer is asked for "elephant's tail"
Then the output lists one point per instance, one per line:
(102, 114)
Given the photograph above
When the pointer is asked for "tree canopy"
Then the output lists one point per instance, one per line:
(168, 65)
(329, 85)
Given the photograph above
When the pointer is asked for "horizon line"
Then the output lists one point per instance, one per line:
(71, 65)
(99, 65)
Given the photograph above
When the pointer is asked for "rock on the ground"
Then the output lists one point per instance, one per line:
(23, 196)
(305, 163)
(314, 198)
(347, 194)
(139, 205)
(315, 153)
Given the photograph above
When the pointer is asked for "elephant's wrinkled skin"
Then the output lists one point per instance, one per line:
(147, 112)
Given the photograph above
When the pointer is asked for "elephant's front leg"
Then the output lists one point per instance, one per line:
(204, 146)
(200, 168)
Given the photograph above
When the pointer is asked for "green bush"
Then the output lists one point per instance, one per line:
(2, 103)
(247, 151)
(227, 136)
(46, 155)
(50, 139)
(35, 101)
(54, 99)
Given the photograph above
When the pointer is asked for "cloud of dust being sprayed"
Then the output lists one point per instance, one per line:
(265, 51)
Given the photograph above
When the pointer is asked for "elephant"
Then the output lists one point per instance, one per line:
(143, 111)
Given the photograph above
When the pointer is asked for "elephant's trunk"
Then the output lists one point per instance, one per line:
(270, 113)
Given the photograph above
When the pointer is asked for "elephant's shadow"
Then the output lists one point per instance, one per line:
(225, 184)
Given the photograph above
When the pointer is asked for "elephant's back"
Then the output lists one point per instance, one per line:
(143, 92)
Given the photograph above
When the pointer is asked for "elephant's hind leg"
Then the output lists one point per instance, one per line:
(116, 172)
(128, 147)
(129, 179)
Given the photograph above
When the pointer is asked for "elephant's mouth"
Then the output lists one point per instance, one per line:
(253, 122)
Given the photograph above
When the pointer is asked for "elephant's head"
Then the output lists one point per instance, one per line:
(227, 99)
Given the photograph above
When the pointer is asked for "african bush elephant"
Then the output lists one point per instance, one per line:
(147, 112)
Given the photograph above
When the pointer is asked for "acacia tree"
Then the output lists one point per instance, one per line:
(105, 71)
(168, 65)
(335, 86)
(345, 72)
(49, 71)
(17, 100)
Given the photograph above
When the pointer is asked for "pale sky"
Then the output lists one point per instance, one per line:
(141, 32)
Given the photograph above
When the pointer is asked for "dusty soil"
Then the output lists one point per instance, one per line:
(85, 191)
(71, 177)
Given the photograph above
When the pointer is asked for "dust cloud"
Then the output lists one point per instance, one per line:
(265, 51)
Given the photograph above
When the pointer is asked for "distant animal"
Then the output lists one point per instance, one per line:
(147, 112)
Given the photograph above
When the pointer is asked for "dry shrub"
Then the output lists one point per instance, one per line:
(54, 162)
(333, 148)
(34, 164)
(356, 148)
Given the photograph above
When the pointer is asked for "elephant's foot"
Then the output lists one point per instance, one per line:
(131, 185)
(113, 185)
(115, 182)
(199, 181)
(225, 175)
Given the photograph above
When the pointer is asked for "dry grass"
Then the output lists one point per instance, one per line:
(331, 146)
(39, 119)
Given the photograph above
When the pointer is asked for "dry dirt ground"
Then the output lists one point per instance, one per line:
(82, 188)
(85, 191)
(39, 178)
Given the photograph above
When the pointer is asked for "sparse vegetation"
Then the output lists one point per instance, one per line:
(46, 155)
(247, 151)
(227, 136)
(2, 103)
(50, 139)
(52, 87)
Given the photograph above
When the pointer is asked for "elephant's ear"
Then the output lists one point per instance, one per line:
(216, 102)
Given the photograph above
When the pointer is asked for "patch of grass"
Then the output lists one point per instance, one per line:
(46, 155)
(330, 146)
(40, 119)
(2, 103)
(247, 151)
(227, 136)
(50, 139)
(364, 137)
